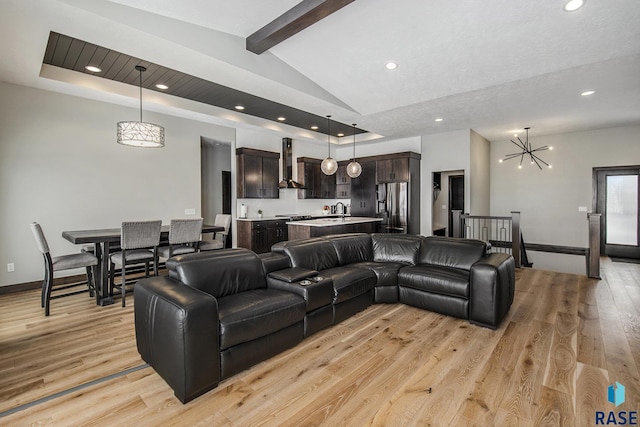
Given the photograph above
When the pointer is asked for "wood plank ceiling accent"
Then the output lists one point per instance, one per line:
(296, 19)
(74, 54)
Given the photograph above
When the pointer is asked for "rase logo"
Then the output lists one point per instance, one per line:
(615, 395)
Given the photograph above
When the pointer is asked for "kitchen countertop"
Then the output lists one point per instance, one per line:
(330, 222)
(281, 218)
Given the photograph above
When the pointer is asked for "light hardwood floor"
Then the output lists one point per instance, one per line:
(564, 341)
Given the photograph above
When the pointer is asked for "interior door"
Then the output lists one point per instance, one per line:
(617, 199)
(456, 198)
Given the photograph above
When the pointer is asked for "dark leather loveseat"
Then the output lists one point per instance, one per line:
(220, 312)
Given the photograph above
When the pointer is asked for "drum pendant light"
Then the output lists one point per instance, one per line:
(140, 134)
(354, 169)
(329, 165)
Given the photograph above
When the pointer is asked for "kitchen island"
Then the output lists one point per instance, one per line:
(325, 226)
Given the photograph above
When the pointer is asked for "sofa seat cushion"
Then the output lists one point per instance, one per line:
(436, 279)
(248, 315)
(386, 272)
(349, 282)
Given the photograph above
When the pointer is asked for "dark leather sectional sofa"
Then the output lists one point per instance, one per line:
(220, 312)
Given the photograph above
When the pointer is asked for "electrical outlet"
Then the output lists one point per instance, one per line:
(582, 208)
(11, 267)
(190, 212)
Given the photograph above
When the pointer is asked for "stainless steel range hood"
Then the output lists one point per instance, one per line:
(287, 166)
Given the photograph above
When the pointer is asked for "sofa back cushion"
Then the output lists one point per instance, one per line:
(352, 248)
(314, 254)
(402, 248)
(219, 273)
(451, 252)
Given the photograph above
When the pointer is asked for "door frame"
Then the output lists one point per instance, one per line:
(599, 200)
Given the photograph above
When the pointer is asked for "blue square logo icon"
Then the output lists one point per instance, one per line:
(615, 394)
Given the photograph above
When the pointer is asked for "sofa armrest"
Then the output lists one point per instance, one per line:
(492, 285)
(272, 261)
(293, 274)
(317, 291)
(177, 334)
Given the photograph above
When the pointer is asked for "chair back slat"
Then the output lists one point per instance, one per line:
(40, 239)
(140, 234)
(185, 231)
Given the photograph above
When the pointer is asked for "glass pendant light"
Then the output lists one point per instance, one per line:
(140, 134)
(329, 165)
(354, 169)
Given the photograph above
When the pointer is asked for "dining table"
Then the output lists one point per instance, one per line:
(103, 240)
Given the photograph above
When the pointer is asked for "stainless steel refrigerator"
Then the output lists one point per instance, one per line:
(393, 206)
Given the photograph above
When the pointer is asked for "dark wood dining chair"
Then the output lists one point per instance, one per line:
(139, 242)
(59, 263)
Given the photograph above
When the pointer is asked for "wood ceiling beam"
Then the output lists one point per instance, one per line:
(296, 19)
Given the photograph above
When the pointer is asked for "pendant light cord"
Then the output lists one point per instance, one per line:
(354, 142)
(329, 136)
(140, 69)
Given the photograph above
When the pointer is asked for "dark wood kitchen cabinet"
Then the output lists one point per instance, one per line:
(259, 236)
(363, 190)
(343, 182)
(257, 174)
(392, 170)
(317, 184)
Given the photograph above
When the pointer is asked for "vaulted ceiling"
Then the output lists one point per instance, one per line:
(494, 66)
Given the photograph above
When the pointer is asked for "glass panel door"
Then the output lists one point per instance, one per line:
(617, 199)
(622, 210)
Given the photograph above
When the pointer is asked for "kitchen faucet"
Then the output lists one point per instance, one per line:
(341, 209)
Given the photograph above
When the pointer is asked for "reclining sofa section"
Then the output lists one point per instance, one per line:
(220, 312)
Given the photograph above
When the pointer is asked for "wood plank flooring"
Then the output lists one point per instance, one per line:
(564, 341)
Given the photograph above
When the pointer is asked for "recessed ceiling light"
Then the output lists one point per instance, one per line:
(391, 65)
(341, 134)
(162, 87)
(588, 92)
(314, 127)
(239, 107)
(439, 119)
(93, 68)
(572, 5)
(281, 119)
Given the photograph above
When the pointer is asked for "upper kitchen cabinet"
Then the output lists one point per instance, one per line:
(317, 184)
(343, 182)
(395, 168)
(257, 174)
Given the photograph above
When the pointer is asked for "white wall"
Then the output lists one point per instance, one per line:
(548, 199)
(345, 151)
(60, 165)
(216, 157)
(443, 152)
(479, 181)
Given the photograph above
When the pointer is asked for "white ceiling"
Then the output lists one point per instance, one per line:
(494, 66)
